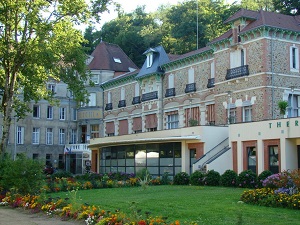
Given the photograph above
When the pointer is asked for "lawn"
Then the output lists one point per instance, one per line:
(202, 205)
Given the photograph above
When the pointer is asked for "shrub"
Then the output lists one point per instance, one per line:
(165, 179)
(181, 178)
(61, 174)
(212, 178)
(24, 175)
(247, 179)
(262, 177)
(141, 174)
(197, 178)
(229, 178)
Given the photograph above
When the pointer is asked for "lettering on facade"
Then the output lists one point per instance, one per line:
(278, 124)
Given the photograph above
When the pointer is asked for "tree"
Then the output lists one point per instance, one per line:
(38, 42)
(266, 5)
(288, 7)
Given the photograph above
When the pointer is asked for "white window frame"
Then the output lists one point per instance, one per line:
(171, 80)
(149, 59)
(212, 69)
(20, 135)
(73, 136)
(122, 93)
(172, 121)
(51, 87)
(92, 99)
(247, 113)
(49, 136)
(238, 58)
(109, 97)
(35, 135)
(36, 109)
(136, 90)
(95, 78)
(294, 59)
(62, 113)
(62, 136)
(191, 75)
(74, 114)
(50, 112)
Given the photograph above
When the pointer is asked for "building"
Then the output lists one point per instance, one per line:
(195, 111)
(59, 134)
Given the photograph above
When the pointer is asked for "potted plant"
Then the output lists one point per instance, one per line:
(283, 106)
(193, 122)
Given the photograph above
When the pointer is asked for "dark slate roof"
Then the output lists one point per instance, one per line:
(160, 57)
(195, 52)
(262, 18)
(104, 55)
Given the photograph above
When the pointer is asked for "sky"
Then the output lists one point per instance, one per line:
(131, 5)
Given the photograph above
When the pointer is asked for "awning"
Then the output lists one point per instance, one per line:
(120, 141)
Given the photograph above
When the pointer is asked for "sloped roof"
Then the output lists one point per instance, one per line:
(109, 56)
(120, 77)
(160, 57)
(259, 19)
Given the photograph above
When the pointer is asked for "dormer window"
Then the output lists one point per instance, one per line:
(117, 60)
(149, 59)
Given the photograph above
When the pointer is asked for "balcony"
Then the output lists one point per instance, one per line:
(136, 100)
(108, 106)
(122, 103)
(170, 92)
(211, 83)
(237, 72)
(190, 88)
(150, 96)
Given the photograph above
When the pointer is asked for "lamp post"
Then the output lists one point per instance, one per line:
(228, 107)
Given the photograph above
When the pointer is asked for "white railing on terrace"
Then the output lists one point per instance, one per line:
(78, 147)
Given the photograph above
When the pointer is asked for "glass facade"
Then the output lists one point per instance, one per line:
(157, 158)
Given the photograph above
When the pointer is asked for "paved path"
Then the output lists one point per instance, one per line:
(9, 216)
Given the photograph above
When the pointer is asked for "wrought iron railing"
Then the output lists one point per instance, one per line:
(108, 106)
(211, 82)
(122, 103)
(170, 92)
(190, 88)
(236, 72)
(136, 100)
(150, 96)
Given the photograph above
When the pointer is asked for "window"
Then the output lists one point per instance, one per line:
(151, 122)
(212, 69)
(49, 159)
(294, 105)
(192, 116)
(191, 76)
(210, 110)
(136, 90)
(95, 79)
(62, 137)
(49, 136)
(50, 112)
(237, 58)
(62, 113)
(74, 114)
(247, 113)
(171, 81)
(251, 158)
(95, 131)
(109, 97)
(294, 59)
(149, 59)
(273, 159)
(122, 93)
(51, 87)
(92, 99)
(232, 115)
(20, 135)
(137, 125)
(35, 136)
(73, 136)
(172, 120)
(117, 60)
(36, 111)
(110, 128)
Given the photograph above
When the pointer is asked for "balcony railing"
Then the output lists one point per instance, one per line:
(237, 72)
(108, 106)
(122, 103)
(150, 96)
(190, 88)
(136, 100)
(211, 82)
(170, 92)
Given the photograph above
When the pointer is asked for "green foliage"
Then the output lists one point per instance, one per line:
(288, 7)
(165, 179)
(61, 174)
(262, 176)
(229, 178)
(247, 179)
(283, 106)
(141, 174)
(181, 178)
(24, 175)
(266, 5)
(212, 178)
(196, 178)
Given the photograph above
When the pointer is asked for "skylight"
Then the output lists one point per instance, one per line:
(117, 60)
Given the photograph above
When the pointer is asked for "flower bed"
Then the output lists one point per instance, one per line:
(280, 190)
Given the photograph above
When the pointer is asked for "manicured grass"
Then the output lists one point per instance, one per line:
(202, 205)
